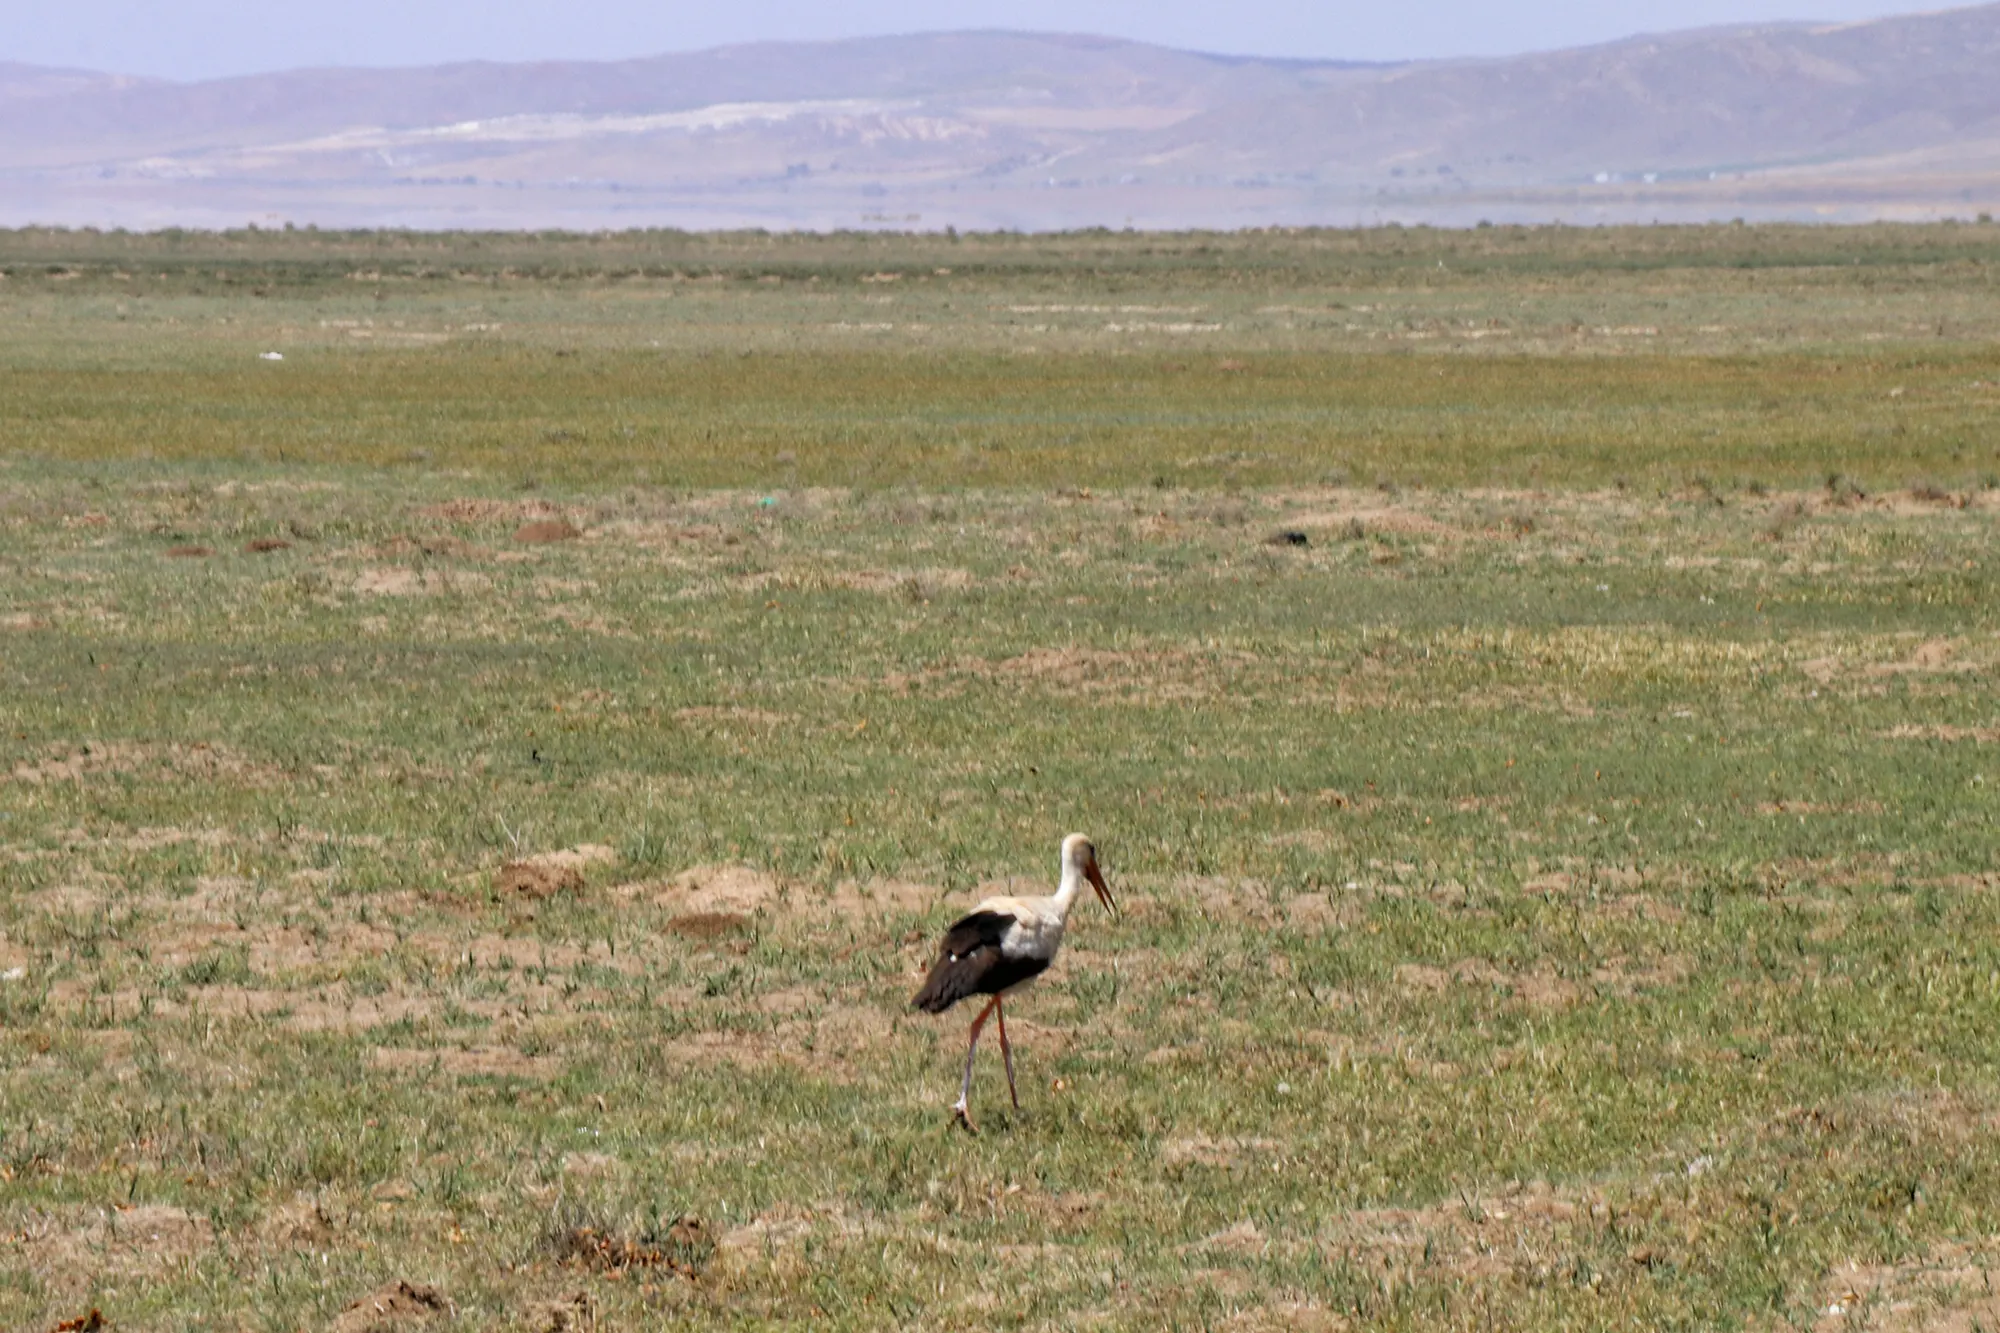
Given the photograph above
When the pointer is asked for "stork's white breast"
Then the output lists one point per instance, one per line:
(1033, 934)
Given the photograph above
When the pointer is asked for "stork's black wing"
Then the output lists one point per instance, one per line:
(971, 962)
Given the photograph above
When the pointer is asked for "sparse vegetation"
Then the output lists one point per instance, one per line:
(1549, 904)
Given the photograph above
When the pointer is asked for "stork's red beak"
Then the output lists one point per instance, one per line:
(1096, 878)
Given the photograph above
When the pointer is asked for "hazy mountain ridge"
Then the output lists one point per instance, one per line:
(1891, 117)
(267, 108)
(23, 82)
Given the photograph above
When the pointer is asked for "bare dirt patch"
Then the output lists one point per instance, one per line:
(870, 898)
(402, 581)
(392, 1307)
(843, 1031)
(91, 759)
(1163, 673)
(915, 584)
(718, 899)
(480, 510)
(1936, 656)
(1921, 500)
(1932, 655)
(214, 896)
(1253, 900)
(515, 951)
(714, 890)
(1201, 1150)
(1296, 1316)
(71, 1249)
(745, 1050)
(308, 1011)
(757, 717)
(1421, 978)
(152, 839)
(177, 946)
(301, 1222)
(1942, 732)
(776, 1232)
(822, 1041)
(1622, 976)
(1145, 675)
(1543, 988)
(467, 1061)
(201, 760)
(1242, 1238)
(430, 544)
(1483, 1235)
(588, 1163)
(1795, 808)
(1951, 1289)
(1363, 520)
(84, 893)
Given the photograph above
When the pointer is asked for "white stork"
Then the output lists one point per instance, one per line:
(1000, 946)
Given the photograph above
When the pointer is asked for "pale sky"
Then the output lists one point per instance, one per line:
(191, 39)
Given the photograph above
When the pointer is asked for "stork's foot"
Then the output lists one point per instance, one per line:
(961, 1114)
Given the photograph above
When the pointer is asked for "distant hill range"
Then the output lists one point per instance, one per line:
(1894, 118)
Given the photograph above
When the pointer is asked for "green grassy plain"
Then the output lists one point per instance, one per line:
(1560, 893)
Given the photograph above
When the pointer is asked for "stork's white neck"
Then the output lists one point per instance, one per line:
(1066, 892)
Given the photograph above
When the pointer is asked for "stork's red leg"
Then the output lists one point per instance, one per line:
(962, 1108)
(1006, 1051)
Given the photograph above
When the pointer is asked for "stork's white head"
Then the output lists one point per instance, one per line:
(1079, 857)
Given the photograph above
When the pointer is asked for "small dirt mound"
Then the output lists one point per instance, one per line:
(266, 545)
(684, 1246)
(547, 531)
(390, 1306)
(549, 873)
(535, 879)
(712, 890)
